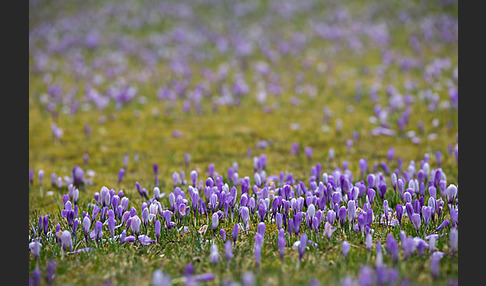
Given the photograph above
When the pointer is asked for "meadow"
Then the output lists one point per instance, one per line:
(243, 143)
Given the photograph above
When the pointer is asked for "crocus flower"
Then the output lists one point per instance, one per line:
(50, 271)
(40, 174)
(258, 249)
(261, 228)
(36, 277)
(214, 255)
(416, 221)
(98, 230)
(78, 175)
(235, 233)
(281, 243)
(392, 247)
(454, 216)
(156, 173)
(328, 230)
(228, 251)
(157, 229)
(369, 241)
(65, 239)
(342, 215)
(443, 225)
(379, 254)
(145, 240)
(145, 216)
(345, 246)
(435, 263)
(86, 226)
(302, 245)
(135, 225)
(35, 247)
(399, 212)
(366, 276)
(121, 173)
(426, 213)
(371, 195)
(111, 225)
(160, 279)
(408, 246)
(214, 221)
(453, 240)
(331, 215)
(351, 211)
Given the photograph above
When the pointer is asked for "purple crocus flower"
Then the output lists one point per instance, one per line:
(31, 176)
(50, 271)
(157, 227)
(40, 174)
(366, 276)
(328, 230)
(361, 222)
(399, 212)
(235, 233)
(416, 221)
(111, 225)
(408, 246)
(36, 277)
(443, 225)
(66, 240)
(392, 247)
(342, 215)
(281, 243)
(435, 263)
(454, 216)
(261, 228)
(453, 240)
(351, 211)
(345, 246)
(78, 176)
(371, 195)
(214, 221)
(302, 245)
(121, 173)
(35, 248)
(145, 240)
(369, 217)
(258, 249)
(156, 173)
(426, 214)
(135, 225)
(86, 226)
(228, 251)
(160, 279)
(45, 224)
(369, 241)
(331, 216)
(193, 176)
